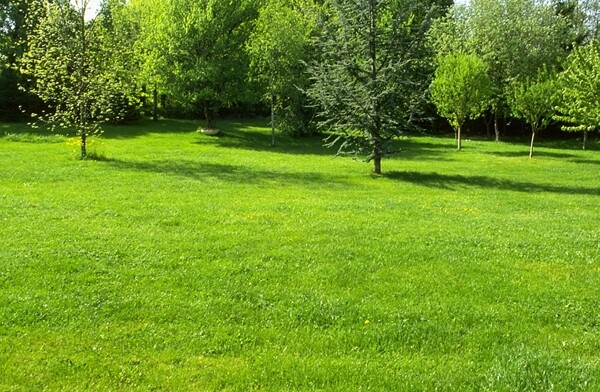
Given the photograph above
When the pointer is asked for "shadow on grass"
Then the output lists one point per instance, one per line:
(585, 161)
(202, 171)
(147, 126)
(413, 148)
(256, 136)
(453, 182)
(525, 154)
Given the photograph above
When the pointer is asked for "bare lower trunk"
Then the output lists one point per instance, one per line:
(458, 139)
(155, 104)
(488, 126)
(377, 165)
(83, 144)
(496, 126)
(585, 139)
(208, 116)
(531, 146)
(272, 119)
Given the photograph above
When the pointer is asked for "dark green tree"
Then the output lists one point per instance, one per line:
(371, 79)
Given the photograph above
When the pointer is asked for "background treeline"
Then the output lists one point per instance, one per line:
(302, 62)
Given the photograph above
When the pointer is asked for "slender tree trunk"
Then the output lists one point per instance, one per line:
(208, 116)
(488, 126)
(83, 144)
(377, 164)
(458, 139)
(374, 77)
(532, 140)
(585, 139)
(272, 119)
(496, 126)
(155, 103)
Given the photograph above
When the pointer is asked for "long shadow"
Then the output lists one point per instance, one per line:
(241, 135)
(585, 161)
(455, 182)
(525, 154)
(147, 126)
(413, 148)
(203, 171)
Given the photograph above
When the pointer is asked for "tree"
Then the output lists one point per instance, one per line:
(533, 101)
(461, 89)
(515, 39)
(579, 90)
(15, 16)
(151, 46)
(207, 57)
(370, 81)
(69, 64)
(278, 49)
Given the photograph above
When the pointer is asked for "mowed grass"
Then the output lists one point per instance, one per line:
(180, 261)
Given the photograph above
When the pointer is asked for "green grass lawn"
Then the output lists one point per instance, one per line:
(180, 261)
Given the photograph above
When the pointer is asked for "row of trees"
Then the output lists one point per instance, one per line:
(361, 70)
(535, 61)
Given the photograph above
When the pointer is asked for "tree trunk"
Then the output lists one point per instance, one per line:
(488, 126)
(155, 104)
(532, 139)
(208, 116)
(83, 144)
(458, 139)
(496, 126)
(585, 139)
(377, 165)
(272, 119)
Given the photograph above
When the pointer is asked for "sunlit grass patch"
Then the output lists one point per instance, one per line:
(182, 261)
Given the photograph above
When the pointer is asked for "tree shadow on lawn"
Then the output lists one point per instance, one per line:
(202, 171)
(239, 135)
(146, 126)
(525, 154)
(585, 161)
(454, 182)
(413, 148)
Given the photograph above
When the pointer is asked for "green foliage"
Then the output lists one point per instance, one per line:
(167, 266)
(72, 66)
(150, 21)
(534, 99)
(370, 81)
(207, 57)
(15, 18)
(579, 89)
(461, 88)
(515, 39)
(279, 48)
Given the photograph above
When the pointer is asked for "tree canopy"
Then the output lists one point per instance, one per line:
(461, 89)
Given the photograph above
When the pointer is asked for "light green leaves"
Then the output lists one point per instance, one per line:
(461, 88)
